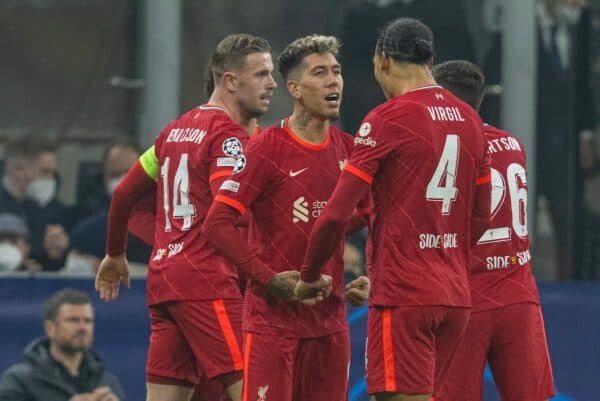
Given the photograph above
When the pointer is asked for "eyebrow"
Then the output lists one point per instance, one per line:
(324, 66)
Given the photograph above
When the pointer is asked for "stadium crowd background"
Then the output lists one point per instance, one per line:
(93, 82)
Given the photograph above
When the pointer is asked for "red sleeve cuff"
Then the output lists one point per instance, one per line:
(359, 173)
(219, 174)
(231, 202)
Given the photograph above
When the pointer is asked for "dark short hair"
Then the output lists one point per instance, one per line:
(120, 142)
(47, 144)
(64, 296)
(231, 52)
(463, 78)
(22, 147)
(295, 52)
(406, 40)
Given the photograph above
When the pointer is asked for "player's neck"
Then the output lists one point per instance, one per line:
(249, 125)
(408, 78)
(234, 112)
(308, 127)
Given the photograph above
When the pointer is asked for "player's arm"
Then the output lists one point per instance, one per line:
(481, 213)
(360, 217)
(223, 217)
(373, 144)
(330, 227)
(139, 181)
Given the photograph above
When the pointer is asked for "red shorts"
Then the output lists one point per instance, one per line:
(209, 390)
(513, 340)
(409, 347)
(286, 369)
(194, 338)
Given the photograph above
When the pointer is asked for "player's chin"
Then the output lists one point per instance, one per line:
(258, 111)
(333, 115)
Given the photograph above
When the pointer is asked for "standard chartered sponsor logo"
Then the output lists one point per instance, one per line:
(300, 210)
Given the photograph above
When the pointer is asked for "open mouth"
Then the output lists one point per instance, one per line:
(333, 98)
(266, 98)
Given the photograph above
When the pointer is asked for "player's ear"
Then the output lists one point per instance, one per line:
(294, 89)
(49, 328)
(230, 81)
(385, 62)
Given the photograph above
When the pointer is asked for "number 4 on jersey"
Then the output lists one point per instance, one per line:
(441, 186)
(182, 208)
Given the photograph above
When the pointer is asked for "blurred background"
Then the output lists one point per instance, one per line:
(86, 85)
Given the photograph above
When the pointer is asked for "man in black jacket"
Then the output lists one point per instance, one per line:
(62, 366)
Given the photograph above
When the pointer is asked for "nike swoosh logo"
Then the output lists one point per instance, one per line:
(295, 173)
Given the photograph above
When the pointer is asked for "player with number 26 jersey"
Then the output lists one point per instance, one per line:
(500, 264)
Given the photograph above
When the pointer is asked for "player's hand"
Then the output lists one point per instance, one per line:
(358, 291)
(112, 270)
(314, 292)
(282, 285)
(105, 394)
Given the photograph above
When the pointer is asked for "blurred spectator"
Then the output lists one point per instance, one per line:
(353, 263)
(14, 244)
(47, 216)
(564, 121)
(87, 247)
(20, 154)
(62, 366)
(590, 163)
(118, 157)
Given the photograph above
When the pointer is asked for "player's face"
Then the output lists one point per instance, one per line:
(256, 84)
(320, 85)
(73, 328)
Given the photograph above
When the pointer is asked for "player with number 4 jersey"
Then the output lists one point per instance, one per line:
(506, 327)
(423, 154)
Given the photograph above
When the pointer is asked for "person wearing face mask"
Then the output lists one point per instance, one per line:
(121, 154)
(14, 244)
(48, 217)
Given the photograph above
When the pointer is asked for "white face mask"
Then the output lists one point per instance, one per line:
(77, 264)
(112, 184)
(10, 256)
(42, 190)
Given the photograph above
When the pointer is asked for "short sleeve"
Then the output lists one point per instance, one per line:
(241, 188)
(372, 145)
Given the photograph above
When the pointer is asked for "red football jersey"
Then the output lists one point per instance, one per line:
(286, 185)
(500, 266)
(423, 152)
(195, 154)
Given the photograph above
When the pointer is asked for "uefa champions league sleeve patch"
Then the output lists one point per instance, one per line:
(232, 147)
